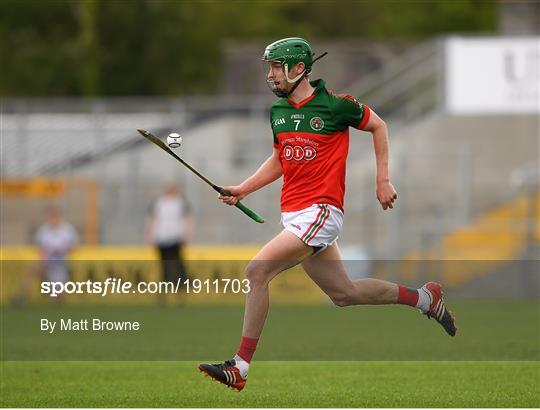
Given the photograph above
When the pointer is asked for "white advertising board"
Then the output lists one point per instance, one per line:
(492, 75)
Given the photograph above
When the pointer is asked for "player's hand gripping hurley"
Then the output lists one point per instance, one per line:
(152, 138)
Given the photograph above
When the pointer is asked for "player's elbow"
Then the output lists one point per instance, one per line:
(380, 126)
(340, 299)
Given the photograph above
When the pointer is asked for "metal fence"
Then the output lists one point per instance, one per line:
(438, 179)
(446, 177)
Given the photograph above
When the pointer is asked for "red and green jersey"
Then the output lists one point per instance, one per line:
(313, 141)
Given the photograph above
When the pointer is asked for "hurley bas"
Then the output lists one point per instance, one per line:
(85, 325)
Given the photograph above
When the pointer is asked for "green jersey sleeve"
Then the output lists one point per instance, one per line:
(350, 113)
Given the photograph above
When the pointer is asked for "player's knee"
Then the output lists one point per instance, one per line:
(257, 275)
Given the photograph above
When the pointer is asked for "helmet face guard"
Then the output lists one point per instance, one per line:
(273, 84)
(288, 52)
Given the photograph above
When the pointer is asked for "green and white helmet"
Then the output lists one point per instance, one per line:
(288, 52)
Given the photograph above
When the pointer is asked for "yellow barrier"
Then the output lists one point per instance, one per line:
(140, 264)
(124, 253)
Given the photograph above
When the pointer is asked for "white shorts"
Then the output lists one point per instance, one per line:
(317, 226)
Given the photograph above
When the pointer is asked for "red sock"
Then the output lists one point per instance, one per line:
(247, 348)
(407, 296)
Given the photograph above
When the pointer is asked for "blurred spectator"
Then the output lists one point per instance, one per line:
(56, 239)
(169, 229)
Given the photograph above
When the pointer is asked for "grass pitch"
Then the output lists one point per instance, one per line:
(272, 384)
(316, 356)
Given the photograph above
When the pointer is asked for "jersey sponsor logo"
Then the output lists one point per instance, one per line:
(299, 152)
(297, 117)
(316, 123)
(309, 153)
(279, 121)
(299, 140)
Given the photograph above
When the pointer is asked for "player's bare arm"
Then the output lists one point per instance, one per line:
(386, 194)
(267, 173)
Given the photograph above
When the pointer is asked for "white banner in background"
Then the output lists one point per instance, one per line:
(492, 75)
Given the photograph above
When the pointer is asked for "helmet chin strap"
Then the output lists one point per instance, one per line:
(292, 80)
(298, 79)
